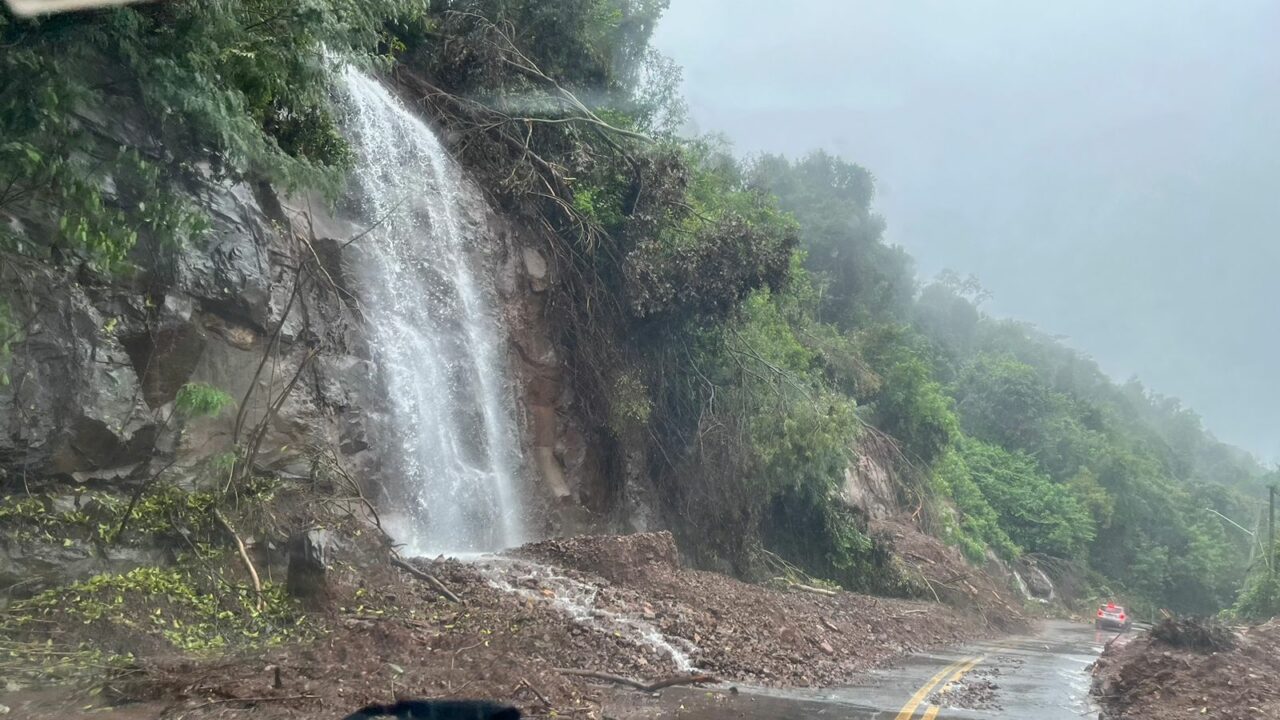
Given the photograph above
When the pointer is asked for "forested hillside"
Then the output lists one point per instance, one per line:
(733, 326)
(1030, 446)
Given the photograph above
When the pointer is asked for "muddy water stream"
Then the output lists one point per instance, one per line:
(582, 601)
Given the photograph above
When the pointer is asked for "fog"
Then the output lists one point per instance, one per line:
(1110, 171)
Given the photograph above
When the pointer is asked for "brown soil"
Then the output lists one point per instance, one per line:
(389, 635)
(753, 633)
(945, 573)
(1149, 679)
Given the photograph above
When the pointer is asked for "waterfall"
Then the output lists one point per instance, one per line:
(436, 340)
(1022, 586)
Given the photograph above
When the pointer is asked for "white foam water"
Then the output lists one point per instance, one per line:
(435, 337)
(581, 602)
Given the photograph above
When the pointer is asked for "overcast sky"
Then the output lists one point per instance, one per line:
(1109, 170)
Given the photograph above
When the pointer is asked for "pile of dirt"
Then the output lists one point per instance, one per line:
(1149, 679)
(753, 633)
(947, 576)
(621, 606)
(617, 558)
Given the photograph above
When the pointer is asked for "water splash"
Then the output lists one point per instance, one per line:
(1026, 591)
(1053, 593)
(1022, 585)
(581, 602)
(435, 335)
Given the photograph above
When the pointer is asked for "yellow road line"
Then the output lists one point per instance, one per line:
(932, 712)
(910, 708)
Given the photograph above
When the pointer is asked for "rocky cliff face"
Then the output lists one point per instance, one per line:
(261, 308)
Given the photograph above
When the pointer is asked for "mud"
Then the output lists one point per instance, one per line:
(755, 634)
(945, 573)
(618, 605)
(1149, 679)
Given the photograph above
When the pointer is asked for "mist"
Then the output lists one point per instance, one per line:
(1109, 171)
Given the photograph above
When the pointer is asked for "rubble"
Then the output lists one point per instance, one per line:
(1147, 678)
(387, 634)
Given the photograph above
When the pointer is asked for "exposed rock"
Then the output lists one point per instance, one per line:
(100, 361)
(535, 266)
(306, 579)
(1037, 583)
(73, 403)
(30, 565)
(869, 484)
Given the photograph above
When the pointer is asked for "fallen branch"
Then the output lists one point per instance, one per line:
(927, 583)
(335, 464)
(956, 577)
(636, 684)
(812, 589)
(524, 683)
(428, 578)
(244, 556)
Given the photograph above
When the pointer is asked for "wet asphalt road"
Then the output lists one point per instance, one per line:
(1042, 676)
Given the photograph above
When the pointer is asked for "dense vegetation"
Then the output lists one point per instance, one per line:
(736, 326)
(744, 379)
(1036, 450)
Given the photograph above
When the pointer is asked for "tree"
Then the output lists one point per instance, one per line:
(1037, 514)
(866, 279)
(1004, 401)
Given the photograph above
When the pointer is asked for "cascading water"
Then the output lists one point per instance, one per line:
(581, 601)
(436, 338)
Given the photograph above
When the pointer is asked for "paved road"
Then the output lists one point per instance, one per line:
(1043, 676)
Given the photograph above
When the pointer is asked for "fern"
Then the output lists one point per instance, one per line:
(201, 400)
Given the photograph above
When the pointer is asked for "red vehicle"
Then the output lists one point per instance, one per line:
(1112, 617)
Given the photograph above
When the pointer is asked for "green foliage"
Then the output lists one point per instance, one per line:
(774, 443)
(865, 279)
(1058, 459)
(1109, 447)
(45, 666)
(169, 603)
(1092, 496)
(1037, 514)
(971, 524)
(727, 322)
(629, 404)
(239, 87)
(164, 513)
(1003, 401)
(1260, 597)
(598, 48)
(910, 405)
(201, 400)
(726, 241)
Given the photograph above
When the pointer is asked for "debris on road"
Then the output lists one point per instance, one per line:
(606, 608)
(1152, 678)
